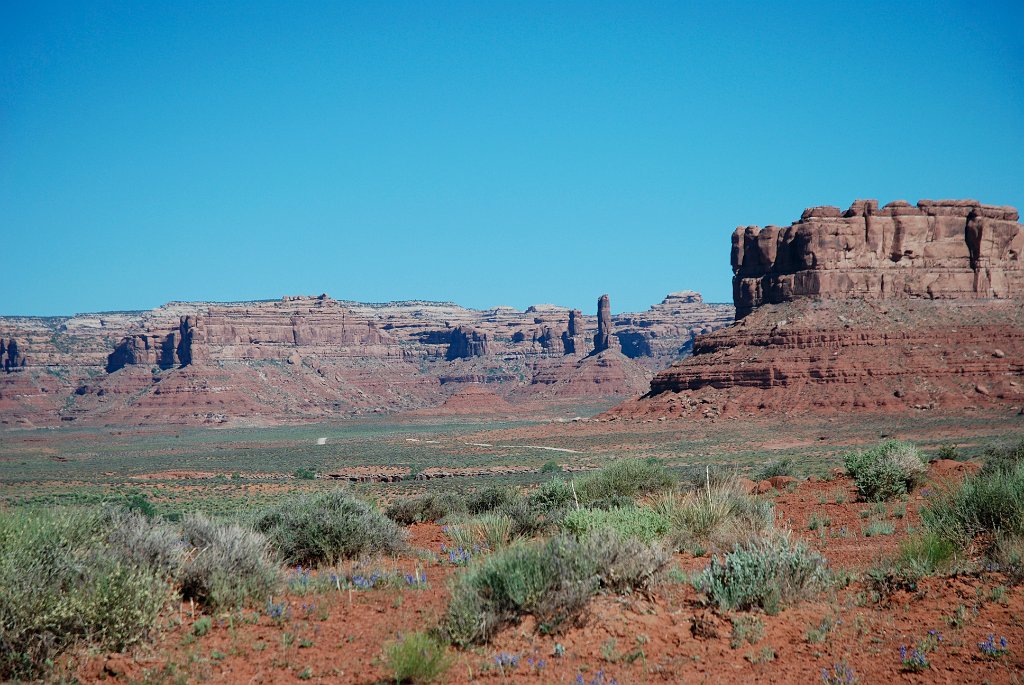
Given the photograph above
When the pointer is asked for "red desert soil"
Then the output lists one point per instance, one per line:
(634, 639)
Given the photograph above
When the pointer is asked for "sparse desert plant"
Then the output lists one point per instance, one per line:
(147, 542)
(326, 527)
(990, 502)
(625, 564)
(492, 531)
(490, 498)
(717, 515)
(746, 628)
(433, 506)
(625, 478)
(642, 523)
(885, 471)
(927, 552)
(779, 467)
(877, 528)
(416, 658)
(230, 565)
(551, 579)
(769, 574)
(304, 473)
(61, 583)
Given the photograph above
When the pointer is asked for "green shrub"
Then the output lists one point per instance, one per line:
(769, 574)
(61, 583)
(989, 503)
(718, 515)
(629, 478)
(527, 520)
(490, 499)
(779, 467)
(302, 473)
(328, 526)
(927, 552)
(555, 494)
(230, 565)
(147, 542)
(641, 523)
(492, 531)
(886, 471)
(428, 507)
(551, 467)
(1002, 458)
(625, 564)
(551, 579)
(416, 658)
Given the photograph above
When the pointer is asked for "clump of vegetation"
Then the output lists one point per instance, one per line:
(552, 579)
(416, 658)
(491, 498)
(61, 582)
(492, 531)
(779, 467)
(626, 478)
(718, 515)
(326, 527)
(987, 506)
(433, 506)
(768, 574)
(230, 566)
(927, 553)
(641, 523)
(886, 471)
(551, 467)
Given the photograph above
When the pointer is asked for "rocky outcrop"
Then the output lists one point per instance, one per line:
(467, 342)
(11, 356)
(301, 358)
(895, 309)
(603, 338)
(573, 340)
(948, 249)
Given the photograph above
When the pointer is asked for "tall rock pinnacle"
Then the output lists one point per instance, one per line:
(603, 339)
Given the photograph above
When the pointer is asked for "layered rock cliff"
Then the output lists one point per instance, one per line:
(894, 309)
(304, 358)
(949, 249)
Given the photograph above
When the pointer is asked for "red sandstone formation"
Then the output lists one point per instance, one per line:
(896, 309)
(950, 249)
(467, 342)
(303, 358)
(603, 338)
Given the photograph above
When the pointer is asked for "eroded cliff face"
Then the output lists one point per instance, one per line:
(948, 249)
(303, 358)
(895, 309)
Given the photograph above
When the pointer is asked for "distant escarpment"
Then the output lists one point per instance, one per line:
(895, 309)
(307, 358)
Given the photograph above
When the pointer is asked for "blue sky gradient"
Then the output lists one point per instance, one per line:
(482, 152)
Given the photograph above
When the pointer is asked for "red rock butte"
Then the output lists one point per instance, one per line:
(890, 309)
(307, 358)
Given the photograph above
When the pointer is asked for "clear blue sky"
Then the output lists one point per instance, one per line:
(482, 152)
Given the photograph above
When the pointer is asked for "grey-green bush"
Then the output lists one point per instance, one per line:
(990, 502)
(432, 506)
(61, 582)
(768, 574)
(326, 527)
(629, 478)
(641, 523)
(229, 565)
(886, 471)
(719, 515)
(551, 579)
